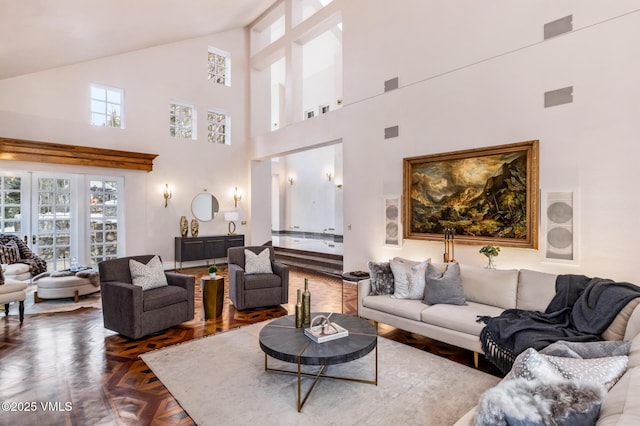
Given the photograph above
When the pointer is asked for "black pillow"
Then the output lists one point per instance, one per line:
(381, 278)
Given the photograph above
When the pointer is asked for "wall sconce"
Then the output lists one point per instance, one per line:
(290, 180)
(231, 217)
(328, 175)
(236, 197)
(166, 194)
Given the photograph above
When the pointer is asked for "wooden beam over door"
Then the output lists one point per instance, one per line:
(46, 152)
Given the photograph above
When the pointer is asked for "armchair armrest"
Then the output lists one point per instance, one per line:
(188, 282)
(183, 280)
(282, 271)
(122, 306)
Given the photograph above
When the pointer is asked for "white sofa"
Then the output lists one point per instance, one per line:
(489, 292)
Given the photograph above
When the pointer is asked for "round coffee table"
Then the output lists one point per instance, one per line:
(281, 340)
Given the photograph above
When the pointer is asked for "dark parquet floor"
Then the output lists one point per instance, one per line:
(67, 369)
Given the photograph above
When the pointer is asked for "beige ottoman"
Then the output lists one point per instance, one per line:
(62, 287)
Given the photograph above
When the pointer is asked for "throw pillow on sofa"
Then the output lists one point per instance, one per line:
(605, 371)
(408, 278)
(148, 276)
(381, 278)
(522, 402)
(444, 287)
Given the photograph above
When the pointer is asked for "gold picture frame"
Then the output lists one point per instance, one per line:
(486, 195)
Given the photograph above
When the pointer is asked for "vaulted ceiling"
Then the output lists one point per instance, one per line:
(36, 35)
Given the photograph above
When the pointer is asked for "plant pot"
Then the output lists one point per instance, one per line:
(212, 275)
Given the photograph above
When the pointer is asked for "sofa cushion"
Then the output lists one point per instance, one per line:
(620, 407)
(147, 276)
(634, 352)
(381, 278)
(408, 278)
(535, 290)
(407, 308)
(257, 263)
(444, 287)
(256, 281)
(618, 326)
(495, 287)
(160, 297)
(12, 286)
(459, 317)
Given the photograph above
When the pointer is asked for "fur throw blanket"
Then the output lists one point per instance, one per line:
(534, 402)
(92, 274)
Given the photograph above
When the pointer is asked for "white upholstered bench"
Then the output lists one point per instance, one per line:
(63, 287)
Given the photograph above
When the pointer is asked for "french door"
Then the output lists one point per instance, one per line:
(63, 216)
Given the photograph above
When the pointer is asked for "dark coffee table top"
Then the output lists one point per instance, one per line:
(282, 340)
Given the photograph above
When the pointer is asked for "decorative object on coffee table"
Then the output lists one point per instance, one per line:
(184, 226)
(490, 252)
(306, 304)
(281, 340)
(323, 330)
(299, 310)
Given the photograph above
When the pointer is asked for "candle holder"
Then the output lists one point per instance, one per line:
(449, 245)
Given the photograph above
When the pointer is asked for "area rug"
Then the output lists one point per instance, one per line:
(220, 380)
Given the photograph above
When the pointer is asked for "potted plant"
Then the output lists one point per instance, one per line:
(490, 252)
(212, 271)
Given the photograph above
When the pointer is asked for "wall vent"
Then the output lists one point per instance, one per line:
(391, 84)
(391, 132)
(558, 97)
(559, 26)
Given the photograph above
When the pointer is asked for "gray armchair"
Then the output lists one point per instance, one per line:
(248, 291)
(134, 313)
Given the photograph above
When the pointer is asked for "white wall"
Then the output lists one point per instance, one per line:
(310, 202)
(53, 106)
(473, 76)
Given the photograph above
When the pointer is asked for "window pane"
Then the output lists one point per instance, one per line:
(98, 93)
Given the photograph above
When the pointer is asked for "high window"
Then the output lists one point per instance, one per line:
(107, 106)
(182, 121)
(218, 127)
(219, 66)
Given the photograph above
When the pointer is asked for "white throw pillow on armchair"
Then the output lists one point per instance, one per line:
(257, 263)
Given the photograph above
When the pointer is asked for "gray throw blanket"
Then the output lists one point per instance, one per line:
(579, 312)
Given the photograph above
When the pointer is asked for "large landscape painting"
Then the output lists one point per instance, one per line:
(486, 195)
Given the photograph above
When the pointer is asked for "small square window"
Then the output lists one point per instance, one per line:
(182, 121)
(218, 127)
(107, 106)
(310, 113)
(324, 109)
(218, 63)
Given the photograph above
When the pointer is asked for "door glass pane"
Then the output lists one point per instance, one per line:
(10, 204)
(54, 222)
(104, 220)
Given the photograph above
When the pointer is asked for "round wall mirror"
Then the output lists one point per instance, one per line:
(204, 206)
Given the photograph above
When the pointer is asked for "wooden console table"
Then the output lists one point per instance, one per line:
(204, 248)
